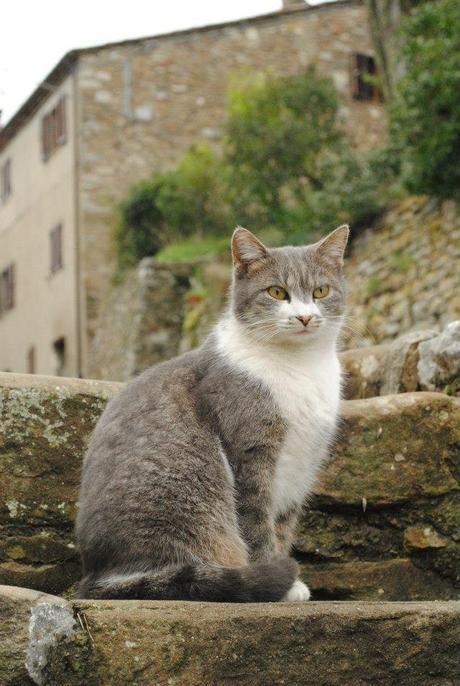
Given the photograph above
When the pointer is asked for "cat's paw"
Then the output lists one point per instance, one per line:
(297, 593)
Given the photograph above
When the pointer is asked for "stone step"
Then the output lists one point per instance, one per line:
(48, 641)
(384, 521)
(418, 361)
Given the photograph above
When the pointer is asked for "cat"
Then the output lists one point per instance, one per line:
(196, 472)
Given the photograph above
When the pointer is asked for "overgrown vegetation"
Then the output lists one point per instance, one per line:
(425, 119)
(190, 200)
(285, 163)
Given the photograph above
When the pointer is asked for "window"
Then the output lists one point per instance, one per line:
(56, 261)
(7, 289)
(364, 73)
(5, 181)
(59, 351)
(54, 129)
(31, 360)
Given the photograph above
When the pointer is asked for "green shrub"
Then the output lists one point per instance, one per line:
(278, 131)
(290, 162)
(285, 168)
(193, 197)
(425, 119)
(140, 229)
(189, 200)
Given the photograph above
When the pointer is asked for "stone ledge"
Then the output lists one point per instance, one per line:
(91, 387)
(417, 361)
(206, 644)
(390, 491)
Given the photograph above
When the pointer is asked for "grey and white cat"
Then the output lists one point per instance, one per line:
(197, 470)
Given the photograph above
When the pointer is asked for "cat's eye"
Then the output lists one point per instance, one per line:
(278, 293)
(321, 292)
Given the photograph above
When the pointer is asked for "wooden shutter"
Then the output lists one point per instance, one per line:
(7, 288)
(31, 360)
(54, 129)
(364, 71)
(56, 261)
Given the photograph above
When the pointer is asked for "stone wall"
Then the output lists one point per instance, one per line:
(403, 276)
(141, 321)
(141, 104)
(383, 523)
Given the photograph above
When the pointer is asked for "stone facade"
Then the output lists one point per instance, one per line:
(143, 103)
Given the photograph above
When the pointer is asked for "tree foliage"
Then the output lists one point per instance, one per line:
(290, 160)
(188, 200)
(284, 164)
(278, 134)
(425, 119)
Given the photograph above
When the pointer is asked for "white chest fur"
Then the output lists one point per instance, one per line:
(305, 385)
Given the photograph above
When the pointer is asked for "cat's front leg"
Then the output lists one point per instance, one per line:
(285, 526)
(285, 530)
(255, 512)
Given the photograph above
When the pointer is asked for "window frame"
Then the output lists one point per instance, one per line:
(6, 188)
(54, 128)
(7, 288)
(363, 64)
(56, 248)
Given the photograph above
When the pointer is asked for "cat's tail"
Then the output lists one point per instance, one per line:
(261, 582)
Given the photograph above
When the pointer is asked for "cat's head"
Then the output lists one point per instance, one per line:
(289, 295)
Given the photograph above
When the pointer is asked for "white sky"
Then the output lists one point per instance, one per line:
(35, 34)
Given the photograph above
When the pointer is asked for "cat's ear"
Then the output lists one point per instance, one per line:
(247, 250)
(334, 244)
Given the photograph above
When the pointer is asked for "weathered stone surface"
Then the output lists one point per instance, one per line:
(403, 273)
(393, 476)
(45, 424)
(439, 359)
(364, 370)
(394, 473)
(394, 579)
(394, 448)
(141, 322)
(48, 641)
(143, 643)
(417, 361)
(15, 606)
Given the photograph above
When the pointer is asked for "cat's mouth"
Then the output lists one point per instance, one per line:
(307, 329)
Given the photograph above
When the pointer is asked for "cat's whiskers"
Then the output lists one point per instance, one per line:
(355, 326)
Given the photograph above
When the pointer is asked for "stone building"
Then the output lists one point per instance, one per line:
(108, 116)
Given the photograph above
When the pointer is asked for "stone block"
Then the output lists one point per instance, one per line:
(420, 360)
(393, 476)
(45, 424)
(15, 611)
(205, 644)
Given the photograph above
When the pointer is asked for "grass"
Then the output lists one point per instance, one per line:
(187, 249)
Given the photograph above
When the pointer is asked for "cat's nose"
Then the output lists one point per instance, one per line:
(304, 319)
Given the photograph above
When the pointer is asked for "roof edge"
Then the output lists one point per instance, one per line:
(66, 65)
